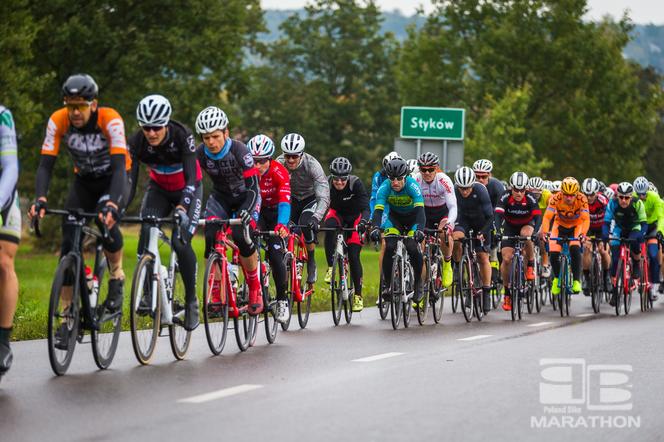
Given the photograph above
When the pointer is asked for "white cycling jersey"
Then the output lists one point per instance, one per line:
(439, 193)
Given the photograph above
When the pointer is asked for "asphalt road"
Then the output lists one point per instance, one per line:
(452, 381)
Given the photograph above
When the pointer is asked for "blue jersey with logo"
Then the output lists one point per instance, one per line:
(402, 202)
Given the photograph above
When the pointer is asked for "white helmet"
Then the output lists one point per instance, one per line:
(641, 185)
(483, 166)
(555, 186)
(261, 146)
(211, 119)
(519, 180)
(625, 188)
(547, 185)
(652, 187)
(536, 183)
(390, 156)
(609, 193)
(464, 177)
(590, 186)
(153, 110)
(412, 165)
(292, 144)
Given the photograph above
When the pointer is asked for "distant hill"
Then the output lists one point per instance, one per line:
(647, 47)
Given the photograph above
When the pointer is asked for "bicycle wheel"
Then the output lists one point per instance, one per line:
(290, 287)
(336, 296)
(478, 296)
(618, 287)
(348, 304)
(496, 288)
(456, 286)
(628, 298)
(383, 305)
(643, 285)
(144, 320)
(515, 287)
(595, 284)
(407, 306)
(396, 289)
(244, 324)
(536, 286)
(178, 336)
(63, 315)
(215, 304)
(270, 310)
(423, 307)
(530, 296)
(466, 298)
(304, 307)
(104, 340)
(438, 298)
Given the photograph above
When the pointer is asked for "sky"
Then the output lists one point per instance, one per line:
(641, 11)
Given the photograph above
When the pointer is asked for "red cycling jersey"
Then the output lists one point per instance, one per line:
(275, 185)
(597, 211)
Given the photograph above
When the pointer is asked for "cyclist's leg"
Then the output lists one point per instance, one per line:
(653, 256)
(310, 239)
(507, 253)
(275, 252)
(390, 242)
(554, 254)
(331, 220)
(10, 234)
(635, 248)
(458, 234)
(354, 242)
(528, 230)
(182, 247)
(248, 255)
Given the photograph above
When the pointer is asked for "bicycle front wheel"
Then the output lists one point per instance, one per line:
(478, 295)
(178, 336)
(291, 280)
(383, 305)
(105, 339)
(270, 311)
(336, 296)
(304, 307)
(466, 298)
(396, 290)
(348, 304)
(215, 305)
(438, 299)
(595, 284)
(422, 308)
(144, 319)
(63, 315)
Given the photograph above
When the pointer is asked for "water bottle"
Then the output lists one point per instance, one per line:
(233, 274)
(93, 285)
(265, 268)
(163, 275)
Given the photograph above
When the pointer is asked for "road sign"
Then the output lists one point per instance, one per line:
(432, 123)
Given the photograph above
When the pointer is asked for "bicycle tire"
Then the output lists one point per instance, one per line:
(244, 327)
(618, 287)
(407, 306)
(536, 287)
(478, 295)
(269, 312)
(290, 278)
(336, 297)
(514, 290)
(65, 273)
(105, 339)
(530, 295)
(422, 308)
(348, 303)
(438, 302)
(383, 305)
(466, 300)
(304, 308)
(595, 281)
(396, 287)
(496, 288)
(178, 336)
(456, 286)
(144, 327)
(215, 314)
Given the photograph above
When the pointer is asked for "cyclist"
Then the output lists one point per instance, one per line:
(404, 197)
(517, 213)
(539, 189)
(474, 212)
(652, 204)
(555, 187)
(310, 193)
(275, 212)
(566, 216)
(378, 179)
(627, 214)
(95, 137)
(168, 148)
(235, 192)
(349, 207)
(596, 210)
(440, 206)
(10, 234)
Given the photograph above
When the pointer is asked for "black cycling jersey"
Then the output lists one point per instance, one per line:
(173, 165)
(496, 190)
(517, 213)
(475, 211)
(352, 200)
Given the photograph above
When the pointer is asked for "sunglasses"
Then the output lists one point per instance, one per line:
(427, 169)
(519, 190)
(340, 178)
(291, 157)
(481, 177)
(152, 128)
(81, 106)
(397, 178)
(261, 160)
(624, 197)
(464, 189)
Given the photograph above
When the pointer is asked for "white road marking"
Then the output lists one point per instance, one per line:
(584, 315)
(378, 357)
(474, 338)
(539, 324)
(231, 391)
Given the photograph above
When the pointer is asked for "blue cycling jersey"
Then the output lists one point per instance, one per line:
(403, 201)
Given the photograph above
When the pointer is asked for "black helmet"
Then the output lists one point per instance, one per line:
(340, 166)
(428, 159)
(80, 85)
(397, 168)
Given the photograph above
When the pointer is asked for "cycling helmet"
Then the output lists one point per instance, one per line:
(625, 188)
(555, 186)
(609, 193)
(653, 188)
(602, 186)
(569, 186)
(428, 159)
(483, 166)
(614, 186)
(292, 144)
(397, 168)
(547, 185)
(211, 119)
(340, 167)
(153, 110)
(390, 156)
(536, 183)
(641, 185)
(80, 85)
(261, 146)
(519, 180)
(412, 165)
(464, 177)
(590, 186)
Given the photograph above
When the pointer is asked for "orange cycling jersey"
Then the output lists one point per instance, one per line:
(567, 215)
(90, 149)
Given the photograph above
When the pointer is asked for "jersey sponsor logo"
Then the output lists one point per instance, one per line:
(248, 160)
(191, 144)
(116, 132)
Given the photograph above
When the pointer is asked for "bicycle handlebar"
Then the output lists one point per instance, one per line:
(219, 221)
(337, 229)
(75, 212)
(147, 219)
(518, 237)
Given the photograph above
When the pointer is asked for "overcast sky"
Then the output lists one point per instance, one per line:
(641, 11)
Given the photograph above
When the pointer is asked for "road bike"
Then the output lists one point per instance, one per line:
(565, 277)
(469, 281)
(77, 304)
(596, 275)
(342, 289)
(432, 282)
(520, 288)
(623, 285)
(298, 292)
(402, 286)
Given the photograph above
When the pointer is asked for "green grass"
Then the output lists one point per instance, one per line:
(35, 272)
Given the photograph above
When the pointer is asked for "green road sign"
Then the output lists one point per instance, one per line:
(434, 123)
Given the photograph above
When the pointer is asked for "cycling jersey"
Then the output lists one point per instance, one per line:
(276, 192)
(543, 200)
(567, 215)
(376, 181)
(407, 201)
(8, 158)
(475, 212)
(597, 211)
(496, 190)
(653, 206)
(438, 193)
(309, 180)
(632, 217)
(352, 200)
(518, 213)
(173, 166)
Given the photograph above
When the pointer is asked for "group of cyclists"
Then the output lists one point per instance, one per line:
(292, 191)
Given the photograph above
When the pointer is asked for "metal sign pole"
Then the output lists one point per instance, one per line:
(445, 156)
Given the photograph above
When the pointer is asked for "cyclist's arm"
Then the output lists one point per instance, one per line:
(118, 178)
(362, 199)
(112, 127)
(450, 200)
(133, 177)
(284, 189)
(487, 210)
(660, 215)
(381, 201)
(49, 151)
(321, 189)
(641, 218)
(584, 223)
(499, 215)
(44, 172)
(548, 218)
(8, 158)
(374, 191)
(189, 163)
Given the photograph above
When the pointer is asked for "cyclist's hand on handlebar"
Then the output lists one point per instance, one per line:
(442, 225)
(375, 234)
(313, 225)
(245, 216)
(38, 207)
(281, 230)
(109, 214)
(362, 226)
(419, 236)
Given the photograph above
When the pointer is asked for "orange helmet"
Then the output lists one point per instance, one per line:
(569, 186)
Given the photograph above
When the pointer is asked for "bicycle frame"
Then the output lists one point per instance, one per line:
(298, 250)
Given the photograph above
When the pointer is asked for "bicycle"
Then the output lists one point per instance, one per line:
(596, 280)
(565, 278)
(342, 289)
(543, 283)
(296, 258)
(224, 294)
(469, 281)
(75, 305)
(644, 281)
(622, 288)
(520, 288)
(269, 296)
(402, 285)
(157, 294)
(432, 284)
